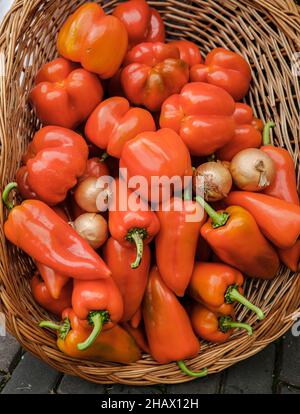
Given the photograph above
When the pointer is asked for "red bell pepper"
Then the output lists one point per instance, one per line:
(130, 227)
(55, 158)
(99, 42)
(131, 282)
(99, 303)
(153, 71)
(114, 122)
(202, 115)
(189, 51)
(143, 23)
(65, 95)
(95, 167)
(225, 69)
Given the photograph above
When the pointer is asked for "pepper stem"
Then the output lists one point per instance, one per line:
(187, 371)
(6, 192)
(137, 235)
(232, 294)
(226, 323)
(63, 328)
(266, 132)
(218, 219)
(104, 156)
(97, 320)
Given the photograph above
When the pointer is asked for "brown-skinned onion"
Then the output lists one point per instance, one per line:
(90, 192)
(93, 228)
(252, 169)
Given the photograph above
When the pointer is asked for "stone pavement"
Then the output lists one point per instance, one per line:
(275, 370)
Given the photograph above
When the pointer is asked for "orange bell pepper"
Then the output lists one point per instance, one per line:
(236, 239)
(130, 227)
(98, 302)
(55, 158)
(99, 42)
(114, 122)
(189, 51)
(176, 242)
(156, 154)
(278, 220)
(54, 281)
(202, 115)
(168, 328)
(225, 69)
(143, 23)
(65, 95)
(217, 286)
(43, 297)
(131, 282)
(291, 257)
(48, 239)
(114, 345)
(247, 133)
(284, 185)
(153, 71)
(214, 327)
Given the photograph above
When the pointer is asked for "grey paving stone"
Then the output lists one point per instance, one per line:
(288, 389)
(75, 385)
(207, 385)
(252, 376)
(9, 349)
(290, 371)
(125, 389)
(31, 376)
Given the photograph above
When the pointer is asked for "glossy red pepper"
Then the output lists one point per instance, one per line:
(23, 186)
(114, 122)
(131, 282)
(139, 335)
(214, 327)
(153, 71)
(65, 95)
(291, 257)
(225, 69)
(95, 167)
(202, 115)
(156, 154)
(131, 227)
(99, 302)
(278, 220)
(217, 286)
(53, 280)
(176, 242)
(55, 158)
(189, 51)
(247, 133)
(143, 23)
(48, 239)
(43, 297)
(168, 328)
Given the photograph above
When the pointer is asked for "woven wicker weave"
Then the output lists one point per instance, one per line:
(267, 33)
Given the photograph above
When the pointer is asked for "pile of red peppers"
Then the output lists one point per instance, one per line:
(118, 282)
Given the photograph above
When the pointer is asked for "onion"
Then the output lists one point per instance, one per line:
(212, 180)
(90, 192)
(252, 169)
(93, 228)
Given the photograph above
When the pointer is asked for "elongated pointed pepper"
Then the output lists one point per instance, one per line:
(131, 282)
(176, 242)
(131, 227)
(99, 302)
(168, 328)
(214, 327)
(291, 257)
(43, 297)
(236, 239)
(114, 345)
(48, 239)
(277, 219)
(139, 335)
(53, 280)
(217, 286)
(284, 185)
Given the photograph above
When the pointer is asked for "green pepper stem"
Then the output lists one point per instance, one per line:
(63, 328)
(6, 192)
(266, 132)
(233, 294)
(137, 238)
(104, 156)
(187, 371)
(97, 320)
(218, 219)
(226, 323)
(187, 194)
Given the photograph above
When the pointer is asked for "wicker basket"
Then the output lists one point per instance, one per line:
(267, 33)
